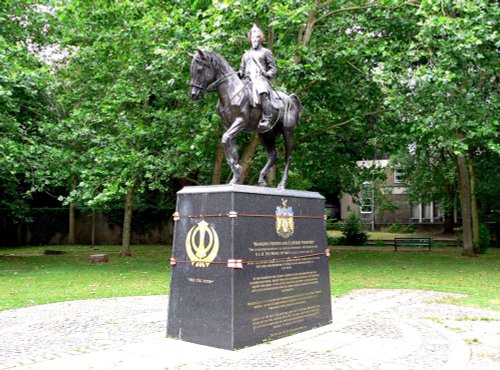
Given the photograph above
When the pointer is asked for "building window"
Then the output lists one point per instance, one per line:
(428, 212)
(398, 177)
(366, 205)
(415, 211)
(366, 199)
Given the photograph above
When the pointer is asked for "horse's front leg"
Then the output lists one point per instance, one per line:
(268, 141)
(231, 150)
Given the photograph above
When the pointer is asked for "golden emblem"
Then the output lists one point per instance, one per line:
(202, 244)
(284, 220)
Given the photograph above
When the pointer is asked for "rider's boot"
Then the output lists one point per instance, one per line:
(265, 121)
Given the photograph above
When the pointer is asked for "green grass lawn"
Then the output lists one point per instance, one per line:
(28, 278)
(445, 271)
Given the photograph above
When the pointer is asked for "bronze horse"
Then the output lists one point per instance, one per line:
(209, 72)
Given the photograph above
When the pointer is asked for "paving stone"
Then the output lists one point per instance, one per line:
(371, 329)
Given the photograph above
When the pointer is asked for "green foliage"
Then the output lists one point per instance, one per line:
(429, 176)
(332, 240)
(28, 162)
(112, 113)
(400, 228)
(354, 233)
(484, 238)
(488, 178)
(332, 224)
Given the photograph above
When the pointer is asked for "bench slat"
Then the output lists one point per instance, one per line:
(418, 242)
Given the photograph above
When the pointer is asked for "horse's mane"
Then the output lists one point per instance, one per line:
(218, 61)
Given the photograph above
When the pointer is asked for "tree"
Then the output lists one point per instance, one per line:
(443, 87)
(24, 107)
(125, 103)
(373, 76)
(429, 175)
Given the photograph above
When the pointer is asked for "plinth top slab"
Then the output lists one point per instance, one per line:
(249, 190)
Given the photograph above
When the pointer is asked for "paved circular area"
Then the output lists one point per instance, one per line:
(371, 329)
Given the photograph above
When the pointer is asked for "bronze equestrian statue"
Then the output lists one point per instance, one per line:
(248, 105)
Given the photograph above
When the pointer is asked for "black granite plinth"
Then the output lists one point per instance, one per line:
(278, 284)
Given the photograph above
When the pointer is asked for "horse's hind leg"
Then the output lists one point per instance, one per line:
(287, 135)
(269, 142)
(231, 149)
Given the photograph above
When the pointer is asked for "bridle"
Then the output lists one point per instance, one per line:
(213, 85)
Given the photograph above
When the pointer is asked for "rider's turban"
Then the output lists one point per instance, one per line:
(253, 30)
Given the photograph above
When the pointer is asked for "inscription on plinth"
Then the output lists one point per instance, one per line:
(276, 282)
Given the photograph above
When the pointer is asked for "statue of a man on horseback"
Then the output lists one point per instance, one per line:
(258, 66)
(238, 104)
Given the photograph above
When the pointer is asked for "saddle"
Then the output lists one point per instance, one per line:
(276, 101)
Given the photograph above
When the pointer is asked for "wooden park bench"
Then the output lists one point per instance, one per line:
(412, 242)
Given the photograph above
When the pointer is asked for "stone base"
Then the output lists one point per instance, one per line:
(249, 264)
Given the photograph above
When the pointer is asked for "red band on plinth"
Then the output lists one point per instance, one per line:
(233, 214)
(235, 264)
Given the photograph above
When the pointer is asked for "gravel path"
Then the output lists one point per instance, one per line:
(371, 329)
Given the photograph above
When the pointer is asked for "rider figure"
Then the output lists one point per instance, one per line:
(258, 65)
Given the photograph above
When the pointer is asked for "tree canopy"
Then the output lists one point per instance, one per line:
(93, 94)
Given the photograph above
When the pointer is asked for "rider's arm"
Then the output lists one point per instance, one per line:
(241, 71)
(271, 65)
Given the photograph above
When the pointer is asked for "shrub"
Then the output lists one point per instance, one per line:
(335, 240)
(332, 224)
(354, 233)
(484, 238)
(400, 228)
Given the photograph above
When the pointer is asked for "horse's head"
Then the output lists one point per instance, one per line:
(202, 75)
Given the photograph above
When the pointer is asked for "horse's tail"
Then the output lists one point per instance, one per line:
(292, 111)
(295, 99)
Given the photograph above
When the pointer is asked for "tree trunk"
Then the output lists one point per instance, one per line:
(127, 222)
(93, 228)
(247, 157)
(72, 215)
(270, 38)
(219, 159)
(71, 226)
(474, 211)
(465, 205)
(305, 33)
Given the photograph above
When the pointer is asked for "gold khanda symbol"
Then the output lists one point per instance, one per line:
(202, 244)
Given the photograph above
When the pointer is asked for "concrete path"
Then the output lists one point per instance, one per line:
(371, 329)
